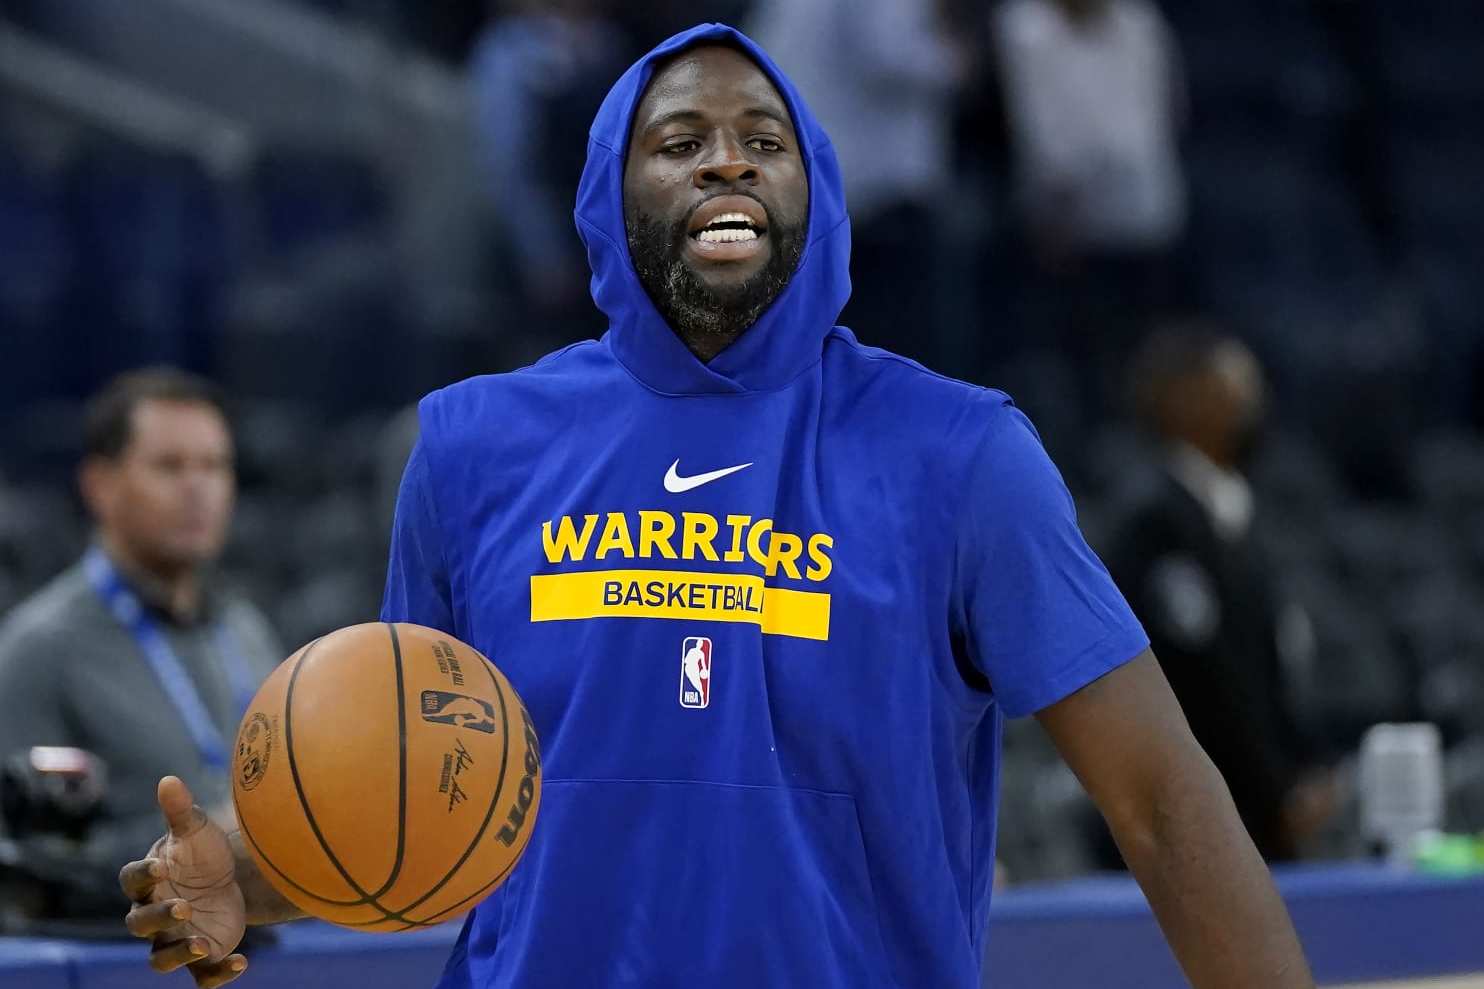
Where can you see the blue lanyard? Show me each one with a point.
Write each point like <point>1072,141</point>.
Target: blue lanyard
<point>126,607</point>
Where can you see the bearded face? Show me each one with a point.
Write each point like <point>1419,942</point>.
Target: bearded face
<point>716,195</point>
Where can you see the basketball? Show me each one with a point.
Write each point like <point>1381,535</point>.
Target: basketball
<point>386,777</point>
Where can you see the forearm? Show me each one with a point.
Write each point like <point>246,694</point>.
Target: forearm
<point>1210,890</point>
<point>265,905</point>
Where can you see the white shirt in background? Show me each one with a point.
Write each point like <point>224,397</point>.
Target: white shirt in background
<point>881,77</point>
<point>1092,111</point>
<point>1224,494</point>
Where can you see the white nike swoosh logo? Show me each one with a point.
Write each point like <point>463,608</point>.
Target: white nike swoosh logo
<point>675,484</point>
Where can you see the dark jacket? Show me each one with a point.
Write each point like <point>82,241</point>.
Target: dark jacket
<point>1209,605</point>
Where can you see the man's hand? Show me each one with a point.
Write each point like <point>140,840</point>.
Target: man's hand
<point>186,897</point>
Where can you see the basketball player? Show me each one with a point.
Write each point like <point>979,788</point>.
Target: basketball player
<point>879,563</point>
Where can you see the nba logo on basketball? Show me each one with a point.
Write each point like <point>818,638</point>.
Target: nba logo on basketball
<point>695,672</point>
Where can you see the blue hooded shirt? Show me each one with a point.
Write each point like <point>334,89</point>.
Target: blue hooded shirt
<point>769,702</point>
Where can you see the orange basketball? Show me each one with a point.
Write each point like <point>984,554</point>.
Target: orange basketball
<point>386,777</point>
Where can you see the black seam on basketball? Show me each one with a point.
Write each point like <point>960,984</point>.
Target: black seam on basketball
<point>288,743</point>
<point>286,878</point>
<point>432,919</point>
<point>247,832</point>
<point>494,799</point>
<point>369,899</point>
<point>407,924</point>
<point>391,880</point>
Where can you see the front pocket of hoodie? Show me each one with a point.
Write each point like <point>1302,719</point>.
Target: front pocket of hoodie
<point>680,885</point>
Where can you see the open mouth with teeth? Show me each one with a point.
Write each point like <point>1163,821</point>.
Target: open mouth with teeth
<point>729,228</point>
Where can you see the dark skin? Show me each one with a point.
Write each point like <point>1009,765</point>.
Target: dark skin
<point>195,893</point>
<point>713,126</point>
<point>712,130</point>
<point>1165,803</point>
<point>1174,821</point>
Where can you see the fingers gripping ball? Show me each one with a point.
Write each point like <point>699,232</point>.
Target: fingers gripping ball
<point>386,777</point>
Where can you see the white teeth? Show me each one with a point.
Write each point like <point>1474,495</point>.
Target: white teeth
<point>725,236</point>
<point>731,218</point>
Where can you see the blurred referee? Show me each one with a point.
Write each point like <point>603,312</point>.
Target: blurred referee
<point>1187,557</point>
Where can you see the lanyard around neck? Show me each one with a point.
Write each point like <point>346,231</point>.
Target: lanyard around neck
<point>125,606</point>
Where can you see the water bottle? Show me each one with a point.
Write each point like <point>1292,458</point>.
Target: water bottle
<point>1401,786</point>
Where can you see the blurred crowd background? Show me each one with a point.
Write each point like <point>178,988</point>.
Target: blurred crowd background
<point>1226,249</point>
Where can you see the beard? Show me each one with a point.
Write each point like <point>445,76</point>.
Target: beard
<point>707,319</point>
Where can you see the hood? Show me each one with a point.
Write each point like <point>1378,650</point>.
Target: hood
<point>789,336</point>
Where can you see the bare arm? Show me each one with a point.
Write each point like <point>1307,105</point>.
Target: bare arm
<point>1173,819</point>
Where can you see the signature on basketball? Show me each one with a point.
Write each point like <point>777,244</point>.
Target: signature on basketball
<point>445,708</point>
<point>454,763</point>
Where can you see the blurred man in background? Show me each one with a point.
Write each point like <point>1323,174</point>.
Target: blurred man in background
<point>135,654</point>
<point>1092,98</point>
<point>883,76</point>
<point>539,71</point>
<point>1187,559</point>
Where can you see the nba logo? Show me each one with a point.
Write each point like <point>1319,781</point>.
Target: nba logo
<point>695,672</point>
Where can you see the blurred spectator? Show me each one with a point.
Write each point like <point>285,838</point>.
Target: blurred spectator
<point>539,72</point>
<point>882,77</point>
<point>1092,99</point>
<point>1187,559</point>
<point>135,654</point>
